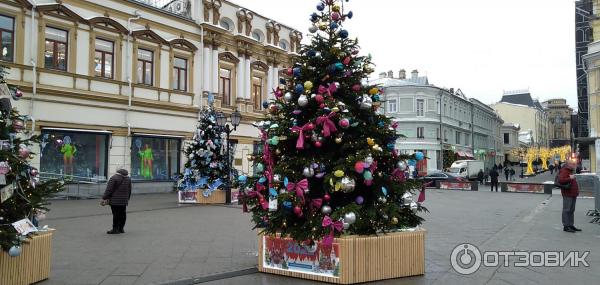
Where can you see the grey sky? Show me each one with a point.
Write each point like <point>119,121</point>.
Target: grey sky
<point>480,46</point>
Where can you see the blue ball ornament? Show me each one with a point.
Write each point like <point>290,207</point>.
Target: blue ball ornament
<point>299,88</point>
<point>359,200</point>
<point>332,69</point>
<point>350,15</point>
<point>260,167</point>
<point>368,175</point>
<point>242,178</point>
<point>339,66</point>
<point>287,205</point>
<point>311,53</point>
<point>14,251</point>
<point>412,162</point>
<point>419,156</point>
<point>333,25</point>
<point>321,7</point>
<point>343,34</point>
<point>314,17</point>
<point>375,98</point>
<point>281,80</point>
<point>265,104</point>
<point>297,71</point>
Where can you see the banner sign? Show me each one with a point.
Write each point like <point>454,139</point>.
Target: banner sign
<point>525,188</point>
<point>24,227</point>
<point>188,196</point>
<point>455,185</point>
<point>286,254</point>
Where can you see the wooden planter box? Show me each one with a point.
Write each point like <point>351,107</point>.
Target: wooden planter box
<point>349,260</point>
<point>196,197</point>
<point>33,265</point>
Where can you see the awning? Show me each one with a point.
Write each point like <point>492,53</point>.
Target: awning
<point>461,154</point>
<point>76,130</point>
<point>468,154</point>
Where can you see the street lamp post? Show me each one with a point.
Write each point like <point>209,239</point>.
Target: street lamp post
<point>236,117</point>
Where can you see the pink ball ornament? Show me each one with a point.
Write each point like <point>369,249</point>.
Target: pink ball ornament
<point>356,87</point>
<point>319,98</point>
<point>335,16</point>
<point>347,60</point>
<point>318,144</point>
<point>297,210</point>
<point>24,152</point>
<point>344,123</point>
<point>359,167</point>
<point>34,172</point>
<point>322,105</point>
<point>290,71</point>
<point>310,126</point>
<point>326,197</point>
<point>18,125</point>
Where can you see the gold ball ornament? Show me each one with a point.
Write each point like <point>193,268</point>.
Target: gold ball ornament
<point>322,26</point>
<point>394,221</point>
<point>338,140</point>
<point>336,8</point>
<point>339,173</point>
<point>370,141</point>
<point>308,86</point>
<point>335,109</point>
<point>373,91</point>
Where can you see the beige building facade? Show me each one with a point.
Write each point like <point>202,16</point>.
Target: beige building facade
<point>531,119</point>
<point>109,83</point>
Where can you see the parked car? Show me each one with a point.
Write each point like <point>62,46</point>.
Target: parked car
<point>467,169</point>
<point>441,176</point>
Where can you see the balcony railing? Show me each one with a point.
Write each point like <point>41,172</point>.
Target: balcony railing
<point>181,8</point>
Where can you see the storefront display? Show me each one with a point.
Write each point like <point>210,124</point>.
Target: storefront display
<point>74,154</point>
<point>154,158</point>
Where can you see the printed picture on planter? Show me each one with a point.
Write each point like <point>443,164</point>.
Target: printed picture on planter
<point>286,254</point>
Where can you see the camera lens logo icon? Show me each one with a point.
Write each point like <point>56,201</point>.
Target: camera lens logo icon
<point>465,259</point>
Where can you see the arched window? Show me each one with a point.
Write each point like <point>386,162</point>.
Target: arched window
<point>258,35</point>
<point>283,44</point>
<point>226,24</point>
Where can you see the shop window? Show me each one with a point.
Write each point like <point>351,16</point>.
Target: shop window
<point>55,53</point>
<point>75,155</point>
<point>103,58</point>
<point>7,36</point>
<point>225,85</point>
<point>155,158</point>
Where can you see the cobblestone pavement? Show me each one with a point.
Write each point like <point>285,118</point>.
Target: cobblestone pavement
<point>166,242</point>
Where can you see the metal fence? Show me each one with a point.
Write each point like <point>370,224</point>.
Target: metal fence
<point>77,187</point>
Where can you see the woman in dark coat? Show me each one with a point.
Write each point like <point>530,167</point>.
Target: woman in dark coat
<point>117,195</point>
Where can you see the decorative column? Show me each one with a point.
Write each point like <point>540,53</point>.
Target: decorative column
<point>247,79</point>
<point>215,70</point>
<point>241,74</point>
<point>275,76</point>
<point>206,69</point>
<point>270,83</point>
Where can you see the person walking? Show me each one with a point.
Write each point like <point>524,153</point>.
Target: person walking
<point>569,190</point>
<point>494,177</point>
<point>551,167</point>
<point>117,195</point>
<point>506,172</point>
<point>512,174</point>
<point>480,176</point>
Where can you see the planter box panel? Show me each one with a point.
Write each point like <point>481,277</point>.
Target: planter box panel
<point>33,265</point>
<point>196,197</point>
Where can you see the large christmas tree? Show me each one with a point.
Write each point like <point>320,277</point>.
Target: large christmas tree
<point>23,195</point>
<point>206,164</point>
<point>329,166</point>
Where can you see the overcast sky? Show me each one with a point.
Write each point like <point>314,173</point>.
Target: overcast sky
<point>480,46</point>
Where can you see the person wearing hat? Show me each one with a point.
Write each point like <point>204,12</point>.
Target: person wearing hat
<point>117,195</point>
<point>569,191</point>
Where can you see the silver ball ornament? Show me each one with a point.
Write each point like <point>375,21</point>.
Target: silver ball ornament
<point>348,184</point>
<point>276,178</point>
<point>288,97</point>
<point>302,100</point>
<point>369,160</point>
<point>313,29</point>
<point>366,103</point>
<point>414,207</point>
<point>382,200</point>
<point>308,172</point>
<point>402,165</point>
<point>350,218</point>
<point>346,226</point>
<point>326,210</point>
<point>407,198</point>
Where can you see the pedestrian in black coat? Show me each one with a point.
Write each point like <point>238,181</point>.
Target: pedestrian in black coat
<point>117,195</point>
<point>480,176</point>
<point>494,177</point>
<point>506,172</point>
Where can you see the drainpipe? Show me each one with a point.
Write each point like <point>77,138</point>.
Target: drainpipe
<point>441,131</point>
<point>129,79</point>
<point>33,60</point>
<point>202,83</point>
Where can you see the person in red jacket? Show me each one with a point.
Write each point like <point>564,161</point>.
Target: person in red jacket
<point>565,177</point>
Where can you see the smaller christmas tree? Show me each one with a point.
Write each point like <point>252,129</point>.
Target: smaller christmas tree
<point>206,163</point>
<point>23,195</point>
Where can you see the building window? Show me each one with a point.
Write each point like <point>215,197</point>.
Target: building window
<point>506,138</point>
<point>420,132</point>
<point>445,135</point>
<point>392,106</point>
<point>225,85</point>
<point>283,44</point>
<point>55,54</point>
<point>103,58</point>
<point>78,155</point>
<point>457,137</point>
<point>420,107</point>
<point>7,34</point>
<point>179,74</point>
<point>437,107</point>
<point>145,67</point>
<point>257,88</point>
<point>438,134</point>
<point>155,158</point>
<point>467,139</point>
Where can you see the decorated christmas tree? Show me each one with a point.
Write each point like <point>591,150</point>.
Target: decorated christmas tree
<point>329,164</point>
<point>23,197</point>
<point>206,164</point>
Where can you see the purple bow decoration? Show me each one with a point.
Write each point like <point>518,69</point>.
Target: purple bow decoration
<point>335,226</point>
<point>299,188</point>
<point>328,124</point>
<point>300,130</point>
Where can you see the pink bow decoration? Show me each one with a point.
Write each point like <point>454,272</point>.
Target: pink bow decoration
<point>261,200</point>
<point>316,203</point>
<point>322,89</point>
<point>299,188</point>
<point>267,157</point>
<point>373,167</point>
<point>328,124</point>
<point>335,226</point>
<point>332,88</point>
<point>300,130</point>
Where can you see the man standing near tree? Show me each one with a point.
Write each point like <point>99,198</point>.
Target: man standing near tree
<point>569,191</point>
<point>117,195</point>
